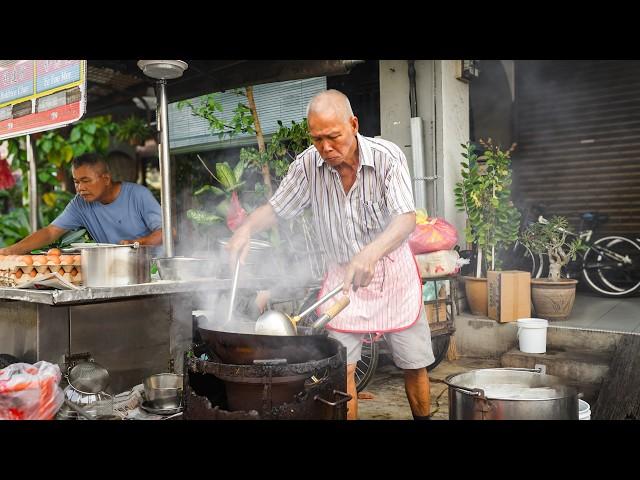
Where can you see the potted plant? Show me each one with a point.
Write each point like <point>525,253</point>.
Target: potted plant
<point>484,195</point>
<point>552,297</point>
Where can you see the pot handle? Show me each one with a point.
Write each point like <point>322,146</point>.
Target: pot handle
<point>477,392</point>
<point>537,368</point>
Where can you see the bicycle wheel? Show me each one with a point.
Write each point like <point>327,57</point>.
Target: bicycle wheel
<point>518,257</point>
<point>366,367</point>
<point>611,266</point>
<point>440,345</point>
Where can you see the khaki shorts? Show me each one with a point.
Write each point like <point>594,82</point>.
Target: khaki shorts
<point>411,348</point>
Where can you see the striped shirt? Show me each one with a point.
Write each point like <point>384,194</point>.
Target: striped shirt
<point>346,222</point>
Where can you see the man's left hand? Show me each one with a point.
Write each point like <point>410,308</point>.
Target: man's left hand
<point>360,270</point>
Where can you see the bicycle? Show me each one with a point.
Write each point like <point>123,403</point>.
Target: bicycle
<point>609,265</point>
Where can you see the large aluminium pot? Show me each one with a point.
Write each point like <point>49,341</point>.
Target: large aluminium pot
<point>510,394</point>
<point>115,265</point>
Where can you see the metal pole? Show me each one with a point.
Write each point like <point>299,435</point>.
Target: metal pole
<point>419,178</point>
<point>33,186</point>
<point>165,168</point>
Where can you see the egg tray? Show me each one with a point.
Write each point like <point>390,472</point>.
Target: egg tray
<point>16,270</point>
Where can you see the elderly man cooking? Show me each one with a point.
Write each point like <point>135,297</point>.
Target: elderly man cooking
<point>112,212</point>
<point>359,191</point>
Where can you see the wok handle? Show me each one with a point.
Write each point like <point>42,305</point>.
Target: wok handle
<point>345,398</point>
<point>329,295</point>
<point>334,310</point>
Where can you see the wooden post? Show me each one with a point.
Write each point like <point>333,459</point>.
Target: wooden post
<point>266,175</point>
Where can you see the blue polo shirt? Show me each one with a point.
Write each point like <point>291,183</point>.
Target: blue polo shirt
<point>133,214</point>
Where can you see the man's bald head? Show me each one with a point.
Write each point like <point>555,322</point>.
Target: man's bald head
<point>330,102</point>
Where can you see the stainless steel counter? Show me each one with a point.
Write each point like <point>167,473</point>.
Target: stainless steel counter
<point>102,294</point>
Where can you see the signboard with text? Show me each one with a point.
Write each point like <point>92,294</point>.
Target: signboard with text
<point>40,95</point>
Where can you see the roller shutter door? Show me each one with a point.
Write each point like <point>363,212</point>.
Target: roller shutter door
<point>578,133</point>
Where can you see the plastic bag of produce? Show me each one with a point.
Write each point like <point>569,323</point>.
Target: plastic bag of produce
<point>30,392</point>
<point>437,264</point>
<point>431,235</point>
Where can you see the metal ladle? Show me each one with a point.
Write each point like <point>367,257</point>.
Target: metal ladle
<point>273,322</point>
<point>234,287</point>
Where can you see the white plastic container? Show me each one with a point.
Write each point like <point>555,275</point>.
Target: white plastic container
<point>532,335</point>
<point>584,410</point>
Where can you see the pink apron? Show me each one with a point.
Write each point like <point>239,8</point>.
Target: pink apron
<point>391,302</point>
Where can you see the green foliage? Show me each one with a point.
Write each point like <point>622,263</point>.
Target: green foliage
<point>14,226</point>
<point>210,108</point>
<point>484,195</point>
<point>133,130</point>
<point>203,218</point>
<point>55,148</point>
<point>550,238</point>
<point>92,135</point>
<point>285,145</point>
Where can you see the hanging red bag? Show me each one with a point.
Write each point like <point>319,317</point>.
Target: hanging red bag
<point>431,235</point>
<point>236,214</point>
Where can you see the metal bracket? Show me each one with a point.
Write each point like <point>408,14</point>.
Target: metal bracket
<point>425,179</point>
<point>542,368</point>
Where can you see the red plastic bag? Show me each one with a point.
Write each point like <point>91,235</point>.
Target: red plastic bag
<point>30,392</point>
<point>431,235</point>
<point>236,214</point>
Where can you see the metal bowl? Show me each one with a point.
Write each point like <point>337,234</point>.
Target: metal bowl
<point>260,262</point>
<point>164,390</point>
<point>186,268</point>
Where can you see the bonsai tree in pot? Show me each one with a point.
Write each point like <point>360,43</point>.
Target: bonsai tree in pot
<point>553,297</point>
<point>484,195</point>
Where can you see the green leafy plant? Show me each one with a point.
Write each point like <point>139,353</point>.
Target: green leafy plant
<point>484,195</point>
<point>210,108</point>
<point>133,130</point>
<point>549,237</point>
<point>92,135</point>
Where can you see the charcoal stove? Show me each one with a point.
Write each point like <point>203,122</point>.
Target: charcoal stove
<point>268,389</point>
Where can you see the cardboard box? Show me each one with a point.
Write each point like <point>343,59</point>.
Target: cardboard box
<point>509,295</point>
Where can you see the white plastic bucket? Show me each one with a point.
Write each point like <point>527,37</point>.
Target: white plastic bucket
<point>584,410</point>
<point>532,335</point>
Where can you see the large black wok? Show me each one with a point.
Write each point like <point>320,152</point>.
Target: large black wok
<point>245,348</point>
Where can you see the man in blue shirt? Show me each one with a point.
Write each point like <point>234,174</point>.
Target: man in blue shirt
<point>112,212</point>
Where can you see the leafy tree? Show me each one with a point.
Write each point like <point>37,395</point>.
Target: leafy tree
<point>484,194</point>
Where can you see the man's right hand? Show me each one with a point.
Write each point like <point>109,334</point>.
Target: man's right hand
<point>36,240</point>
<point>261,219</point>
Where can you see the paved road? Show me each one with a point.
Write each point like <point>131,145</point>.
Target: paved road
<point>390,401</point>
